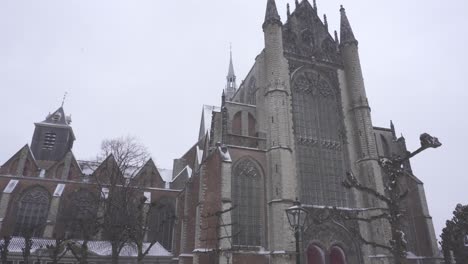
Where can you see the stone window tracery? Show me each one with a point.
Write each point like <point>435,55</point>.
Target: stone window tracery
<point>247,197</point>
<point>31,216</point>
<point>319,144</point>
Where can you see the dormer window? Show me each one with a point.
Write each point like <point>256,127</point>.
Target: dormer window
<point>56,117</point>
<point>49,140</point>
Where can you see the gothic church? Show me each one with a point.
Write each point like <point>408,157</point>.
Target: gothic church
<point>291,130</point>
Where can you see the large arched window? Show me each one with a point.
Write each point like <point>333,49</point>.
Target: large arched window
<point>31,216</point>
<point>80,214</point>
<point>337,256</point>
<point>318,130</point>
<point>315,255</point>
<point>247,198</point>
<point>162,222</point>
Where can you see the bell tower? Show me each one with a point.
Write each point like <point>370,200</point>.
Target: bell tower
<point>53,137</point>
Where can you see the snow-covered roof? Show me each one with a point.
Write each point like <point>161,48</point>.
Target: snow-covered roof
<point>166,174</point>
<point>208,113</point>
<point>100,248</point>
<point>88,167</point>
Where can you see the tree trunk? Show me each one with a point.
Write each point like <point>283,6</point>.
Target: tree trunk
<point>115,255</point>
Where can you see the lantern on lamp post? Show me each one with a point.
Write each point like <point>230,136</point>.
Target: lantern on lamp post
<point>297,217</point>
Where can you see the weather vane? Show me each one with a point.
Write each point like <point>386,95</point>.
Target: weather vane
<point>64,97</point>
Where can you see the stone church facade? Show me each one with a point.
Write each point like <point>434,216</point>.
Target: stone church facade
<point>292,129</point>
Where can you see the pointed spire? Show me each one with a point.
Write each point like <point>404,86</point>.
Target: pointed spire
<point>288,10</point>
<point>272,16</point>
<point>297,3</point>
<point>315,6</point>
<point>231,66</point>
<point>230,78</point>
<point>347,35</point>
<point>336,37</point>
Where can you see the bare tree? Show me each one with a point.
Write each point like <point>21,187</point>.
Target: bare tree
<point>28,243</point>
<point>455,236</point>
<point>123,158</point>
<point>392,198</point>
<point>4,249</point>
<point>57,250</point>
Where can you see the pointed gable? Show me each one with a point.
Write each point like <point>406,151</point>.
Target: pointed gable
<point>66,169</point>
<point>109,172</point>
<point>22,163</point>
<point>149,176</point>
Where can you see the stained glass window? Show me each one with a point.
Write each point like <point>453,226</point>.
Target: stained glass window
<point>247,196</point>
<point>32,212</point>
<point>318,129</point>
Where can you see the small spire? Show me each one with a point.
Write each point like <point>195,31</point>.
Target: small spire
<point>325,21</point>
<point>347,35</point>
<point>271,15</point>
<point>336,37</point>
<point>392,127</point>
<point>231,65</point>
<point>231,85</point>
<point>315,6</point>
<point>297,3</point>
<point>288,10</point>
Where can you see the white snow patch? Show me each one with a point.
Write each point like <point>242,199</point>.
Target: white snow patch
<point>11,186</point>
<point>59,190</point>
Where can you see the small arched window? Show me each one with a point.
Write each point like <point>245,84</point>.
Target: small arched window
<point>248,202</point>
<point>315,255</point>
<point>337,256</point>
<point>31,216</point>
<point>162,218</point>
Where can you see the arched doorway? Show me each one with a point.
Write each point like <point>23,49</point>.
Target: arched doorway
<point>315,255</point>
<point>337,256</point>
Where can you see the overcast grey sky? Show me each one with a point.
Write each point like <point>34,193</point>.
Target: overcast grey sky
<point>145,67</point>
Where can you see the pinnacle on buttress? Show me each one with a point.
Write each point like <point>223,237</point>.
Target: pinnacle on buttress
<point>288,12</point>
<point>272,16</point>
<point>325,21</point>
<point>347,35</point>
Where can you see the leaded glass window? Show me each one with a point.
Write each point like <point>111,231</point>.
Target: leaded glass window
<point>247,198</point>
<point>31,216</point>
<point>318,129</point>
<point>162,223</point>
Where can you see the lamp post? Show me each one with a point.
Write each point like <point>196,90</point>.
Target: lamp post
<point>296,217</point>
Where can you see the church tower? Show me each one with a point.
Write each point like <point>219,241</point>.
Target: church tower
<point>231,86</point>
<point>53,137</point>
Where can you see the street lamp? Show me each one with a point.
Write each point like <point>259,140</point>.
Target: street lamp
<point>297,217</point>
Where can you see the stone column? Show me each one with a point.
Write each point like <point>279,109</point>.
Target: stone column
<point>53,211</point>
